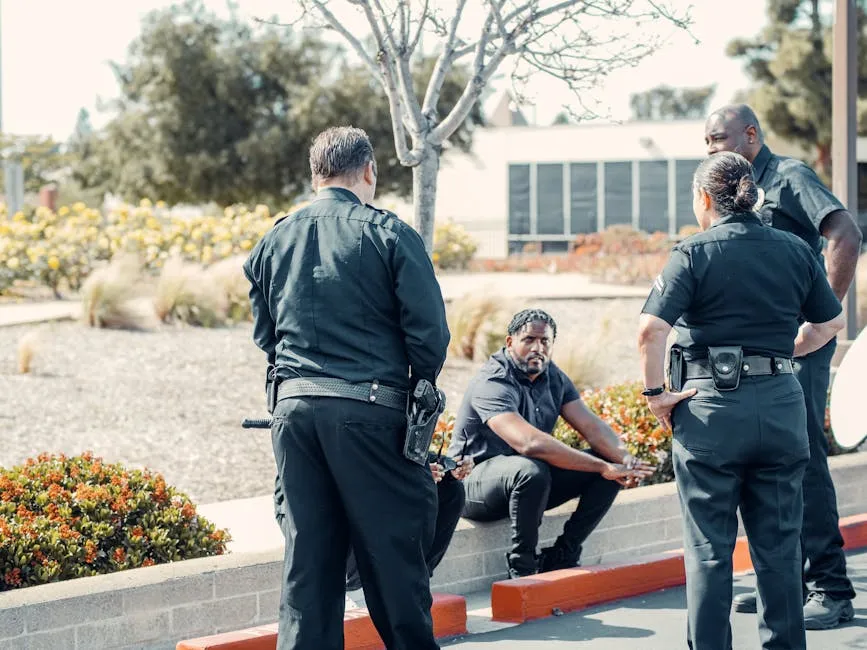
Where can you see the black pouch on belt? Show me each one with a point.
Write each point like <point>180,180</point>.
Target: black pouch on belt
<point>675,368</point>
<point>725,363</point>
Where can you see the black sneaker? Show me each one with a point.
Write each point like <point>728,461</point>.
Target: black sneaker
<point>746,603</point>
<point>822,612</point>
<point>556,557</point>
<point>519,569</point>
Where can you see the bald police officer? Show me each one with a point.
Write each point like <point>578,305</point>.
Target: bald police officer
<point>795,200</point>
<point>734,293</point>
<point>348,309</point>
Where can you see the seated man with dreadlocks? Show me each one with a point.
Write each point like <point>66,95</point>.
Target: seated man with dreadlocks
<point>505,423</point>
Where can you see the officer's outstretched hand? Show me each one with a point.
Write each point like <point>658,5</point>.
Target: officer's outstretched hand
<point>663,404</point>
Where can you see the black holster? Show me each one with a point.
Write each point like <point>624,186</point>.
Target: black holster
<point>423,409</point>
<point>725,363</point>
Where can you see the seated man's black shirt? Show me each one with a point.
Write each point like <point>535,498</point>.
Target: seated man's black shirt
<point>501,387</point>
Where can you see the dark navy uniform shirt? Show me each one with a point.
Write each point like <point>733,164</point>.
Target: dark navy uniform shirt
<point>741,283</point>
<point>501,387</point>
<point>795,199</point>
<point>341,289</point>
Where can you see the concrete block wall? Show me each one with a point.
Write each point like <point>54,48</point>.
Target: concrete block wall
<point>155,607</point>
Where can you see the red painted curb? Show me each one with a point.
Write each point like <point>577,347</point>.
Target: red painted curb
<point>449,614</point>
<point>524,599</point>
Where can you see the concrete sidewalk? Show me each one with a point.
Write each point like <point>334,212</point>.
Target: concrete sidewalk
<point>24,313</point>
<point>657,621</point>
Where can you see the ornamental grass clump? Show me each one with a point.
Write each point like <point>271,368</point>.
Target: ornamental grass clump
<point>70,517</point>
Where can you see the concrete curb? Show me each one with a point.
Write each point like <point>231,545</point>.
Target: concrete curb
<point>449,618</point>
<point>525,599</point>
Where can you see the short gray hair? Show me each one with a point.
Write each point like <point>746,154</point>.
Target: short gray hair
<point>340,151</point>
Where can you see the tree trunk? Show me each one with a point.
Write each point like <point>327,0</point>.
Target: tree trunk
<point>424,194</point>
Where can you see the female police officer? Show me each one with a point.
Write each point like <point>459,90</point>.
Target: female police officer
<point>736,291</point>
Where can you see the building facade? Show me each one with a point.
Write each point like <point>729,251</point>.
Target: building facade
<point>549,184</point>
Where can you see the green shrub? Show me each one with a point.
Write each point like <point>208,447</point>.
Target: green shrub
<point>453,248</point>
<point>63,518</point>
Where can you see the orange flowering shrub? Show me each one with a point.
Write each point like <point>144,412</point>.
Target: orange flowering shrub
<point>63,518</point>
<point>625,410</point>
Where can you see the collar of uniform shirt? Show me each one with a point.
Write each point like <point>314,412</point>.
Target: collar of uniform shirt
<point>338,193</point>
<point>761,161</point>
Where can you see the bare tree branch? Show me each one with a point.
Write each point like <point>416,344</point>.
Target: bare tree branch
<point>421,23</point>
<point>395,65</point>
<point>442,66</point>
<point>337,26</point>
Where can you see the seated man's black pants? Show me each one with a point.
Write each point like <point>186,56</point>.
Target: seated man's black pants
<point>450,503</point>
<point>523,489</point>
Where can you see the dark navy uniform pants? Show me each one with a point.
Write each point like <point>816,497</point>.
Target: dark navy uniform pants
<point>450,503</point>
<point>825,561</point>
<point>745,448</point>
<point>344,480</point>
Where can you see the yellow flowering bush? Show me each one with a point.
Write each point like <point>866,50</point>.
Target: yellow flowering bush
<point>60,249</point>
<point>453,247</point>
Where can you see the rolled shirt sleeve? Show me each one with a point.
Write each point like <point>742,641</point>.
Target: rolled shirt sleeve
<point>422,309</point>
<point>673,290</point>
<point>811,198</point>
<point>821,305</point>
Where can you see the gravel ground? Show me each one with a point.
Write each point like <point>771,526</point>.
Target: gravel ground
<point>172,399</point>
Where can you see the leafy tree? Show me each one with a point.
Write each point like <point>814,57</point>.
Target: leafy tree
<point>574,41</point>
<point>790,64</point>
<point>667,103</point>
<point>217,110</point>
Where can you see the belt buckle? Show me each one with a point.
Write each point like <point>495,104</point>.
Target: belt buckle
<point>776,366</point>
<point>371,395</point>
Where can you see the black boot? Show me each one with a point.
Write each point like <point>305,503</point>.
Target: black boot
<point>557,557</point>
<point>520,567</point>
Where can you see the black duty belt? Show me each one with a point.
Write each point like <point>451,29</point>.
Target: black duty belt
<point>370,392</point>
<point>751,366</point>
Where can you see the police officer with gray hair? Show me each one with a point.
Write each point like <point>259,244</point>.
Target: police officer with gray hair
<point>350,314</point>
<point>734,294</point>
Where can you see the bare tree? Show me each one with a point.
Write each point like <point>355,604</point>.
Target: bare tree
<point>577,41</point>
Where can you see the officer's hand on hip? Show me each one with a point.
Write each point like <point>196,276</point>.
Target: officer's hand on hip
<point>663,404</point>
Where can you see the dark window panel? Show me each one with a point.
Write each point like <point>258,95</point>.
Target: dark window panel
<point>549,199</point>
<point>683,172</point>
<point>519,199</point>
<point>653,195</point>
<point>618,193</point>
<point>584,194</point>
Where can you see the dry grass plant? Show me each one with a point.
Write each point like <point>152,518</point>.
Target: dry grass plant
<point>186,293</point>
<point>227,278</point>
<point>582,355</point>
<point>111,296</point>
<point>28,346</point>
<point>478,324</point>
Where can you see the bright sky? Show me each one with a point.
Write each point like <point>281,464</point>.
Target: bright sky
<point>55,58</point>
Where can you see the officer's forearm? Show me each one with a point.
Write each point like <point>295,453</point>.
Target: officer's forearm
<point>812,336</point>
<point>844,247</point>
<point>652,334</point>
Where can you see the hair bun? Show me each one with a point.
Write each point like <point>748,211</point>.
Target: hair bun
<point>747,194</point>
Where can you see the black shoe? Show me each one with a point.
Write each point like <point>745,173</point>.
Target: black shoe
<point>823,612</point>
<point>745,603</point>
<point>557,557</point>
<point>520,569</point>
